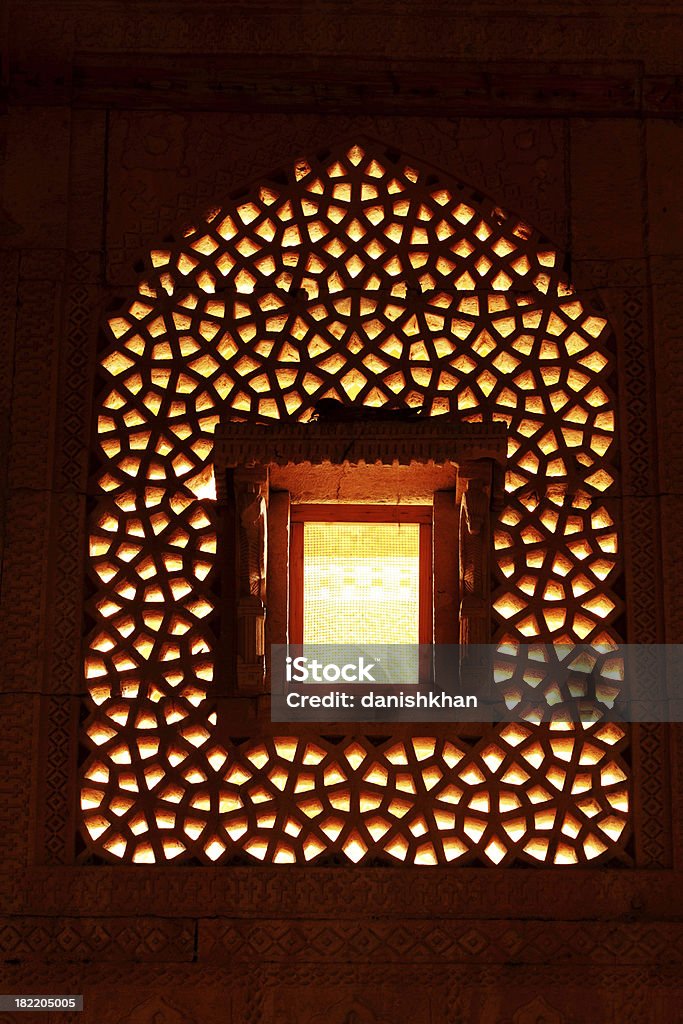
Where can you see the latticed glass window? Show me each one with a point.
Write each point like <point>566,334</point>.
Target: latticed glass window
<point>360,574</point>
<point>368,279</point>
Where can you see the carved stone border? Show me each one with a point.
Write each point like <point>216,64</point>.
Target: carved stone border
<point>80,323</point>
<point>121,992</point>
<point>623,285</point>
<point>437,439</point>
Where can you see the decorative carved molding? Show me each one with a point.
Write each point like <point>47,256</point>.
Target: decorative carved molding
<point>158,1009</point>
<point>418,941</point>
<point>80,325</point>
<point>329,940</point>
<point>538,1011</point>
<point>268,891</point>
<point>115,939</point>
<point>27,548</point>
<point>250,496</point>
<point>475,555</point>
<point>436,439</point>
<point>264,992</point>
<point>348,1011</point>
<point>302,83</point>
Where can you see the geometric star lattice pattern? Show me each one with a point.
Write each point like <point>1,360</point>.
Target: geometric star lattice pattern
<point>366,277</point>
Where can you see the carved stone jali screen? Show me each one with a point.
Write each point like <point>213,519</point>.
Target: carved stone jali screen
<point>367,278</point>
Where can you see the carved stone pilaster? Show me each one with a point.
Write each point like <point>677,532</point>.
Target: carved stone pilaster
<point>476,482</point>
<point>251,502</point>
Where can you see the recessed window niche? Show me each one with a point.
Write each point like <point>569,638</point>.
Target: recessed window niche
<point>438,475</point>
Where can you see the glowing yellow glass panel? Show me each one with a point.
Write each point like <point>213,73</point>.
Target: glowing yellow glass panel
<point>361,583</point>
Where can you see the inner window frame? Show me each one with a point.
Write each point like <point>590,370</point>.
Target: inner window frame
<point>321,512</point>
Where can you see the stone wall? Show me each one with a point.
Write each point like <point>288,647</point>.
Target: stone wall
<point>121,122</point>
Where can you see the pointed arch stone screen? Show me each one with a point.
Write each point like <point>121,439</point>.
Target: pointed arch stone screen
<point>363,276</point>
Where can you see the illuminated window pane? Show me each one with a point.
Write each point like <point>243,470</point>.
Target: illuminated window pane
<point>361,583</point>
